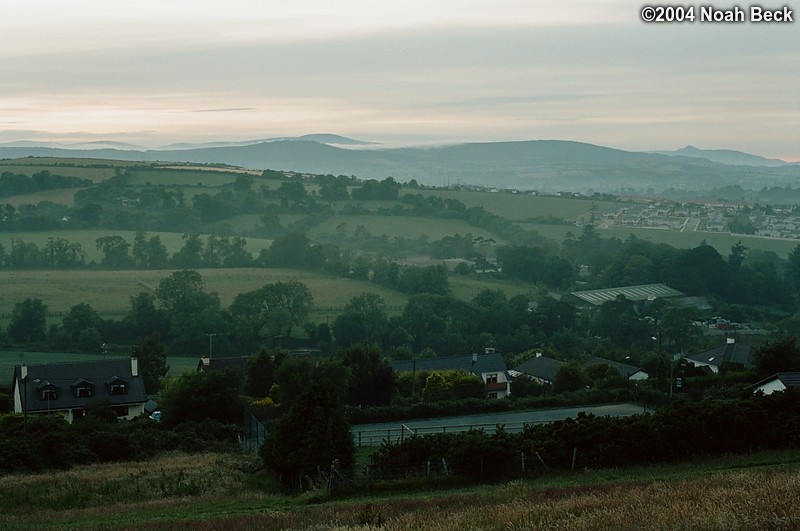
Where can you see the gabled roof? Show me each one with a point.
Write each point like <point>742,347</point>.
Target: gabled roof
<point>484,363</point>
<point>788,379</point>
<point>730,353</point>
<point>64,376</point>
<point>625,370</point>
<point>540,367</point>
<point>632,293</point>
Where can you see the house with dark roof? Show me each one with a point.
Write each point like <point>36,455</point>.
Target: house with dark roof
<point>540,369</point>
<point>490,367</point>
<point>67,388</point>
<point>777,382</point>
<point>729,354</point>
<point>629,372</point>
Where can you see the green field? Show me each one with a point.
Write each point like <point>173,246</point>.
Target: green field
<point>109,292</point>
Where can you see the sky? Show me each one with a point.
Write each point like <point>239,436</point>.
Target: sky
<point>411,72</point>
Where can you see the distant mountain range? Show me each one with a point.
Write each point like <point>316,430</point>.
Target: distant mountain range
<point>725,156</point>
<point>546,165</point>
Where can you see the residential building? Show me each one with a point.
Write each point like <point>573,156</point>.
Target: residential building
<point>67,389</point>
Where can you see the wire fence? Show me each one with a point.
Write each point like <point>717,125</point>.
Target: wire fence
<point>394,435</point>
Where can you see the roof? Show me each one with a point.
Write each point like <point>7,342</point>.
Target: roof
<point>484,363</point>
<point>65,376</point>
<point>788,379</point>
<point>222,364</point>
<point>633,293</point>
<point>730,352</point>
<point>540,367</point>
<point>625,370</point>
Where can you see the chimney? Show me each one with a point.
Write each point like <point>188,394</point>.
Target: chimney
<point>23,371</point>
<point>205,360</point>
<point>538,354</point>
<point>731,340</point>
<point>134,366</point>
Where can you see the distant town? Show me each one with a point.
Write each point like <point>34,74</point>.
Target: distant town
<point>765,221</point>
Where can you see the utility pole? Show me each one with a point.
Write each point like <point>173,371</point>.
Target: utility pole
<point>210,343</point>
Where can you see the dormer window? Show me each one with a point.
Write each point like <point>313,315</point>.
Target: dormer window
<point>83,388</point>
<point>47,391</point>
<point>117,387</point>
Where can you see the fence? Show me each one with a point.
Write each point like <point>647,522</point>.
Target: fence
<point>378,436</point>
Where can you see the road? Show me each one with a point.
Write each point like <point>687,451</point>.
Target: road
<point>372,434</point>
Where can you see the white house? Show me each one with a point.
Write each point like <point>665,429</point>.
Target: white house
<point>777,382</point>
<point>67,388</point>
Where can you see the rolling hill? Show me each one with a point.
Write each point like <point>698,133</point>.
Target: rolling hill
<point>546,165</point>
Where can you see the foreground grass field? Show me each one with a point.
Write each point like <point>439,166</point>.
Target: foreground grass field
<point>222,492</point>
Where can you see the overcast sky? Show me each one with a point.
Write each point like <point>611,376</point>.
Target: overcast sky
<point>154,72</point>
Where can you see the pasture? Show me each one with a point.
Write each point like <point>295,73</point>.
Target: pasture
<point>109,292</point>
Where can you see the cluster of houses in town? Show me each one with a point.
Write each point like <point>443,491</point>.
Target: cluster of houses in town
<point>772,222</point>
<point>68,389</point>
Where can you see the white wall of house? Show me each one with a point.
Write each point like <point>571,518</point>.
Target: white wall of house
<point>771,387</point>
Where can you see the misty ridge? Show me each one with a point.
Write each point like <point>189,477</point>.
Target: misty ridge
<point>543,165</point>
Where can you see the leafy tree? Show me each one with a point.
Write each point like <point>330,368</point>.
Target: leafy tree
<point>149,254</point>
<point>115,251</point>
<point>782,355</point>
<point>197,396</point>
<point>274,309</point>
<point>28,321</point>
<point>152,361</point>
<point>291,250</point>
<point>363,320</point>
<point>261,372</point>
<point>291,191</point>
<point>309,438</point>
<point>90,340</point>
<point>371,379</point>
<point>570,377</point>
<point>190,255</point>
<point>143,318</point>
<point>182,292</point>
<point>79,318</point>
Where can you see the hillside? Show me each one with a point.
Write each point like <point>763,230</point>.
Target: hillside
<point>546,165</point>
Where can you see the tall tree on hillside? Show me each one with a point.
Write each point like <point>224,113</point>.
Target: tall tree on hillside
<point>28,321</point>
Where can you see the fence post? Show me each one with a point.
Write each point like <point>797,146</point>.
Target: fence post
<point>522,459</point>
<point>359,439</point>
<point>574,455</point>
<point>542,460</point>
<point>428,469</point>
<point>444,467</point>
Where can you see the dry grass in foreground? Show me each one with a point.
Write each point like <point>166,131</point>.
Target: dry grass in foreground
<point>213,492</point>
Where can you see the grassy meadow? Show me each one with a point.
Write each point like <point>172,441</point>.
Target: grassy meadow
<point>219,491</point>
<point>109,292</point>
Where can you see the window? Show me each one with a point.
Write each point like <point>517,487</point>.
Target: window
<point>117,389</point>
<point>491,395</point>
<point>121,411</point>
<point>84,391</point>
<point>491,378</point>
<point>48,393</point>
